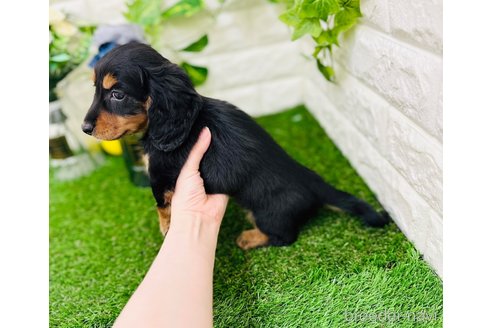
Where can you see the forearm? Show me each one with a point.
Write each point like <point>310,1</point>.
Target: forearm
<point>177,290</point>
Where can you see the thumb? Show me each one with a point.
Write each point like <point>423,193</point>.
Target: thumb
<point>219,199</point>
<point>192,164</point>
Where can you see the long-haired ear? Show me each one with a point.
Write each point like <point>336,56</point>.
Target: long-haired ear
<point>175,106</point>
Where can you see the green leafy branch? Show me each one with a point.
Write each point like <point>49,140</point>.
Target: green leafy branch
<point>68,47</point>
<point>324,21</point>
<point>151,15</point>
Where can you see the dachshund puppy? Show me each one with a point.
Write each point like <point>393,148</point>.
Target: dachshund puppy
<point>139,90</point>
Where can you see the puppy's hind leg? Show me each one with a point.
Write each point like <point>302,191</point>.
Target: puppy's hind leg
<point>251,238</point>
<point>273,230</point>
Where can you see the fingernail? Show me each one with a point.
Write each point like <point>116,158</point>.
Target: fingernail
<point>204,130</point>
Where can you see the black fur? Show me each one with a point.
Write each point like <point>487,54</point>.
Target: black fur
<point>242,161</point>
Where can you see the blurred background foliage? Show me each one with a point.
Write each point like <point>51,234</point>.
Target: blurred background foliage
<point>323,20</point>
<point>152,14</point>
<point>69,46</point>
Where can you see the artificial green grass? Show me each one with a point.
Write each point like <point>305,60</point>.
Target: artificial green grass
<point>104,235</point>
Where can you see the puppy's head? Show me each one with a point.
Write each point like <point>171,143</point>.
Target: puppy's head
<point>121,100</point>
<point>137,89</point>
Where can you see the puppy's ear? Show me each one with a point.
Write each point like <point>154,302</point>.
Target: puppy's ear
<point>175,106</point>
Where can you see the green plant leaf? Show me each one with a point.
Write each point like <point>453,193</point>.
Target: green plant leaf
<point>60,58</point>
<point>288,3</point>
<point>317,8</point>
<point>197,45</point>
<point>327,71</point>
<point>153,32</point>
<point>351,5</point>
<point>327,38</point>
<point>317,49</point>
<point>53,66</point>
<point>197,74</point>
<point>184,8</point>
<point>144,12</point>
<point>305,16</point>
<point>301,26</point>
<point>290,17</point>
<point>307,26</point>
<point>346,18</point>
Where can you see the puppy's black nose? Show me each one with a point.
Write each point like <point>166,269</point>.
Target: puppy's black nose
<point>87,128</point>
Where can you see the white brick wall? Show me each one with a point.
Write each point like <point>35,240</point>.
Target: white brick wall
<point>252,62</point>
<point>385,112</point>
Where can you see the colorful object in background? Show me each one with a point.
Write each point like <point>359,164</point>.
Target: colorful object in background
<point>133,155</point>
<point>107,37</point>
<point>112,147</point>
<point>59,148</point>
<point>103,50</point>
<point>68,159</point>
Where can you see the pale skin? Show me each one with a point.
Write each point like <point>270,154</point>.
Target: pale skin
<point>177,289</point>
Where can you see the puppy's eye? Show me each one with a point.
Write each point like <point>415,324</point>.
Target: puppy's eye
<point>118,95</point>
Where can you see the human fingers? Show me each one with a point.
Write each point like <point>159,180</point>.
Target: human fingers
<point>192,164</point>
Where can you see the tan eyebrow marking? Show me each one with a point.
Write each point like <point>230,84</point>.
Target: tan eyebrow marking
<point>108,81</point>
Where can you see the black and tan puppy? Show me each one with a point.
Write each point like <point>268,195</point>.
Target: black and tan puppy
<point>139,90</point>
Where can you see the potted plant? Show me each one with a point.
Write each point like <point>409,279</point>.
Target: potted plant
<point>68,47</point>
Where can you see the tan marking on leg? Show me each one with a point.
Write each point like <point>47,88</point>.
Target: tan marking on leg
<point>164,218</point>
<point>108,81</point>
<point>251,218</point>
<point>251,239</point>
<point>168,195</point>
<point>165,212</point>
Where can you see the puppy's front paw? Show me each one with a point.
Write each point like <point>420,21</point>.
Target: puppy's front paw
<point>251,239</point>
<point>164,219</point>
<point>164,227</point>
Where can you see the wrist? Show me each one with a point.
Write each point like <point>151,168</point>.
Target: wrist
<point>191,237</point>
<point>193,226</point>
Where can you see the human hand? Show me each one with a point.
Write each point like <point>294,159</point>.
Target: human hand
<point>165,298</point>
<point>190,200</point>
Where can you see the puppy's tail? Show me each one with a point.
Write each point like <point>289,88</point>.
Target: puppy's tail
<point>334,198</point>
